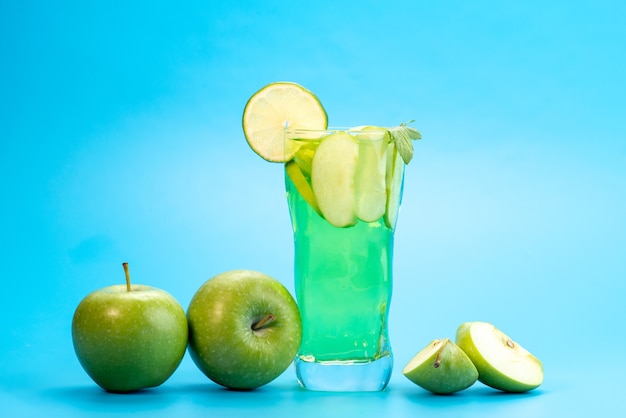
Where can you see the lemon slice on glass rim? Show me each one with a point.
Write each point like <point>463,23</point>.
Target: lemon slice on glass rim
<point>274,108</point>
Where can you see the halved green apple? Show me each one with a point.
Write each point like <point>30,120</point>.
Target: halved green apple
<point>441,367</point>
<point>332,178</point>
<point>501,362</point>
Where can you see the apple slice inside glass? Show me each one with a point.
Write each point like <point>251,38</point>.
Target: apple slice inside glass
<point>301,183</point>
<point>332,178</point>
<point>393,180</point>
<point>369,180</point>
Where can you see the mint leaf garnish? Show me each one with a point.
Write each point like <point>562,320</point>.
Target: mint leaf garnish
<point>403,135</point>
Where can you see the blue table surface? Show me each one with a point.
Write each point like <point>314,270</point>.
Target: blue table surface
<point>577,384</point>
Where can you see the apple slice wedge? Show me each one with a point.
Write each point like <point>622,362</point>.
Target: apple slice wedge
<point>369,180</point>
<point>442,368</point>
<point>304,157</point>
<point>332,178</point>
<point>393,179</point>
<point>300,182</point>
<point>501,362</point>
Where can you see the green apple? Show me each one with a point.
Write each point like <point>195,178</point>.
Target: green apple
<point>129,337</point>
<point>501,362</point>
<point>244,329</point>
<point>442,368</point>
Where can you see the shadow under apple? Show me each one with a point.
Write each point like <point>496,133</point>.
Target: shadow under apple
<point>92,397</point>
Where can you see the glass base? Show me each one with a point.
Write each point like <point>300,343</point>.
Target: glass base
<point>344,376</point>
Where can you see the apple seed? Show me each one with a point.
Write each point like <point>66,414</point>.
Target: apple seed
<point>438,358</point>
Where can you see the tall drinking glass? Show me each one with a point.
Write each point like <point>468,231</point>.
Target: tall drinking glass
<point>344,189</point>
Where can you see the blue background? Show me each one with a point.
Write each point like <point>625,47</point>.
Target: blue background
<point>121,140</point>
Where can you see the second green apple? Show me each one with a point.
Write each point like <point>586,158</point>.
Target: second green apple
<point>244,329</point>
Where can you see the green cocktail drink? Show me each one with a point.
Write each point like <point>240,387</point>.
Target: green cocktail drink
<point>343,254</point>
<point>344,188</point>
<point>343,285</point>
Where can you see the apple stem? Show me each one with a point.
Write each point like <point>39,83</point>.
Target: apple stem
<point>127,273</point>
<point>268,318</point>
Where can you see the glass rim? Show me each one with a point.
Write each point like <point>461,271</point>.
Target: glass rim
<point>361,135</point>
<point>333,129</point>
